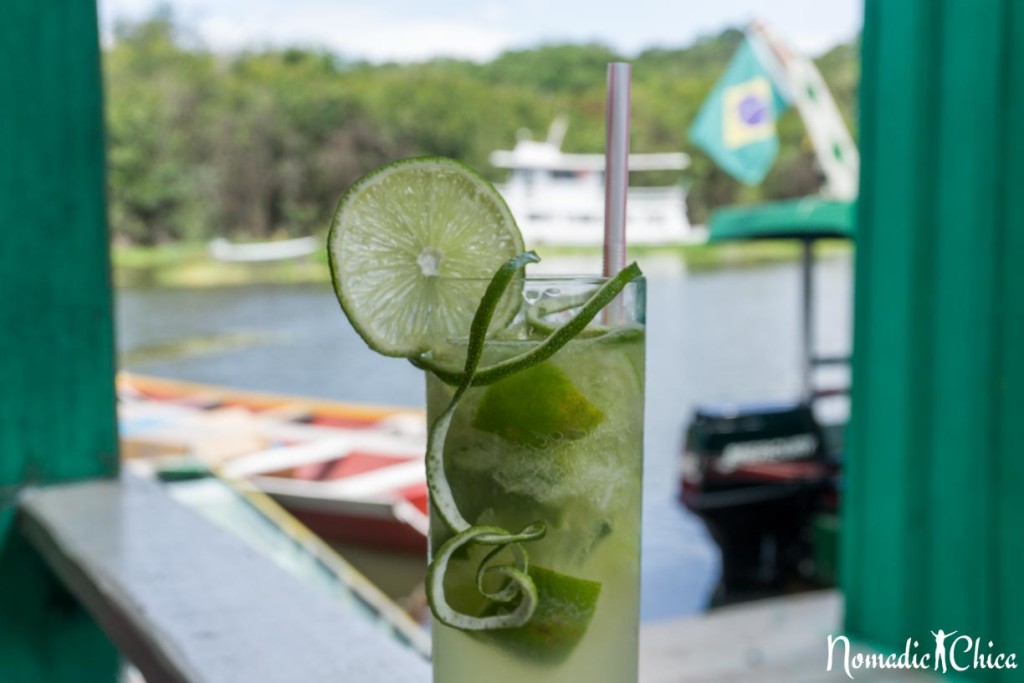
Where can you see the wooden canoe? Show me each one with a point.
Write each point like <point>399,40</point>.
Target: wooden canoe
<point>350,472</point>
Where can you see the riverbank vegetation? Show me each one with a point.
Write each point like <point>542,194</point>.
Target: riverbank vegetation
<point>260,144</point>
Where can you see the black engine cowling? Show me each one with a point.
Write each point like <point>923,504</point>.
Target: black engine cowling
<point>757,475</point>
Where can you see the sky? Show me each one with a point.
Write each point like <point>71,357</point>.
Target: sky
<point>415,30</point>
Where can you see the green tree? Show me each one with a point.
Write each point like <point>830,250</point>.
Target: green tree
<point>158,118</point>
<point>553,69</point>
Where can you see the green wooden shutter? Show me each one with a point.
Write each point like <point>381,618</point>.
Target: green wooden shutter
<point>934,502</point>
<point>57,419</point>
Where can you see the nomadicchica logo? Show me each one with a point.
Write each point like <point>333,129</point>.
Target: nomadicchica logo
<point>962,653</point>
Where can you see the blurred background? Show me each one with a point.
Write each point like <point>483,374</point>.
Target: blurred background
<point>207,146</point>
<point>245,123</point>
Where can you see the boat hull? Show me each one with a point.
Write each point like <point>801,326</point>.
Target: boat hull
<point>351,473</point>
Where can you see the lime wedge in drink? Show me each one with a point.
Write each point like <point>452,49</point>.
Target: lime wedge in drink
<point>536,406</point>
<point>565,606</point>
<point>400,237</point>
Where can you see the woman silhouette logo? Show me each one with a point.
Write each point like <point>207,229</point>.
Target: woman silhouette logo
<point>940,648</point>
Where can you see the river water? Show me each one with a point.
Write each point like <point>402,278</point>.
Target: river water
<point>727,335</point>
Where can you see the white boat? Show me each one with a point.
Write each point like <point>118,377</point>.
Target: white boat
<point>558,198</point>
<point>257,252</point>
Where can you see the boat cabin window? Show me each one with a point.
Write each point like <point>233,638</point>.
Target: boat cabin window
<point>529,177</point>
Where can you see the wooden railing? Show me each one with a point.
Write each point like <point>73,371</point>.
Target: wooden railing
<point>187,602</point>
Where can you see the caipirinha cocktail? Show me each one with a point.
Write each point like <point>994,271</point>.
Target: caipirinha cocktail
<point>535,409</point>
<point>560,442</point>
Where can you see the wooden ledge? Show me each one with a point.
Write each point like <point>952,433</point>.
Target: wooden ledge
<point>187,602</point>
<point>777,640</point>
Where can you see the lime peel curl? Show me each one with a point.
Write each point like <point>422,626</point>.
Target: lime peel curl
<point>440,490</point>
<point>521,583</point>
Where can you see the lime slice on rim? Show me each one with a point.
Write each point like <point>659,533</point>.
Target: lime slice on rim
<point>412,248</point>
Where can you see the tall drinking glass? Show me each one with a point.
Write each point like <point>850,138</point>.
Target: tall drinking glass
<point>560,442</point>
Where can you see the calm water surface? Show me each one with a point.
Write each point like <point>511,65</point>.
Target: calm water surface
<point>728,335</point>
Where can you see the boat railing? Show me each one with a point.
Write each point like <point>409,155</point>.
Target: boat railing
<point>656,192</point>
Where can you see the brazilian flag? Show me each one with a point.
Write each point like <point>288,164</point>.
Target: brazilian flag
<point>736,125</point>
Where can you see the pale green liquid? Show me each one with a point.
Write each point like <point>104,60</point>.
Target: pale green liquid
<point>586,489</point>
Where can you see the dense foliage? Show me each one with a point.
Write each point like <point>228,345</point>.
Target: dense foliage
<point>262,143</point>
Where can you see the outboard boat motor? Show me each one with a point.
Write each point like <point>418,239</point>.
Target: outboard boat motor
<point>757,475</point>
